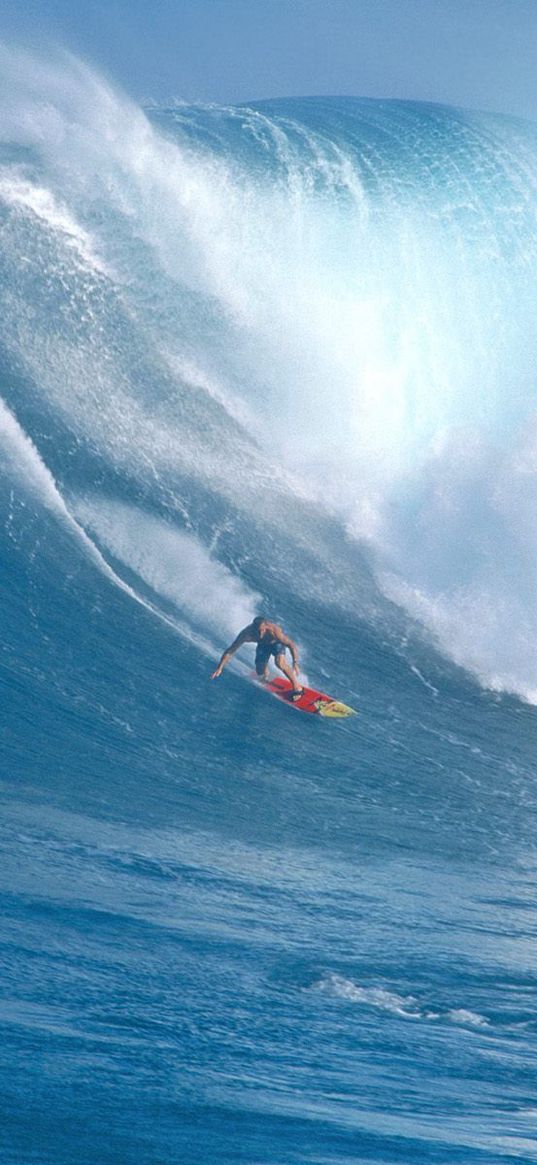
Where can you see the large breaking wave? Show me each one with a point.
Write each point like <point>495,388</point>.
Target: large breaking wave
<point>229,334</point>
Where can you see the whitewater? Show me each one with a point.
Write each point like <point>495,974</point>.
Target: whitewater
<point>280,358</point>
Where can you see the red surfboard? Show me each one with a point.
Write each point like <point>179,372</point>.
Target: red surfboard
<point>310,701</point>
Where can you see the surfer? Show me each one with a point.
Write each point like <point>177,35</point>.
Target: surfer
<point>271,640</point>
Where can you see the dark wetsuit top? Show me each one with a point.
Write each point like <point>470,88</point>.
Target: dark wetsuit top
<point>266,647</point>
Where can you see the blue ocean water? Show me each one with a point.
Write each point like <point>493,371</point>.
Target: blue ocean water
<point>272,358</point>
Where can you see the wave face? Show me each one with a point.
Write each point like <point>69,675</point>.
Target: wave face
<point>342,290</point>
<point>278,357</point>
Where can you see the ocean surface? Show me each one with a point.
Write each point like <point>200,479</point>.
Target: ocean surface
<point>274,358</point>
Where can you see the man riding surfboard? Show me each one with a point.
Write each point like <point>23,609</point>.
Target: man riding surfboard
<point>271,641</point>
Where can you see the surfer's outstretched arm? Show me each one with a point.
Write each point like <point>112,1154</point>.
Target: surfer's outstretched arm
<point>243,637</point>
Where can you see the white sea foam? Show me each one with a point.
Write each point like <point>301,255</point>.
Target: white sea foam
<point>404,1005</point>
<point>486,632</point>
<point>23,464</point>
<point>173,563</point>
<point>18,192</point>
<point>468,1018</point>
<point>379,997</point>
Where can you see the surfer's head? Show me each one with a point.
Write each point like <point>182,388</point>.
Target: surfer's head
<point>259,622</point>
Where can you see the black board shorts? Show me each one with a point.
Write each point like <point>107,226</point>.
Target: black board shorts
<point>265,650</point>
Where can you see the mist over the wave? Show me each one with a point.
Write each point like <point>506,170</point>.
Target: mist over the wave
<point>324,301</point>
<point>174,564</point>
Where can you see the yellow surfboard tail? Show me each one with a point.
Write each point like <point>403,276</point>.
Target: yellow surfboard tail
<point>335,708</point>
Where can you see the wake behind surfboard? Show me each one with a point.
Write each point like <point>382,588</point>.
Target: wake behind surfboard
<point>310,701</point>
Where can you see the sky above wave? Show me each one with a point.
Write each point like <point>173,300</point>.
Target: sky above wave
<point>481,55</point>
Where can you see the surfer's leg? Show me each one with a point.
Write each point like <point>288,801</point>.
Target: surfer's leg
<point>261,664</point>
<point>283,665</point>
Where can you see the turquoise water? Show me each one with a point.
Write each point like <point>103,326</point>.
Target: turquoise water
<point>269,359</point>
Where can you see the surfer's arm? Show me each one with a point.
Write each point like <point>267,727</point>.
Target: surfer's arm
<point>243,637</point>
